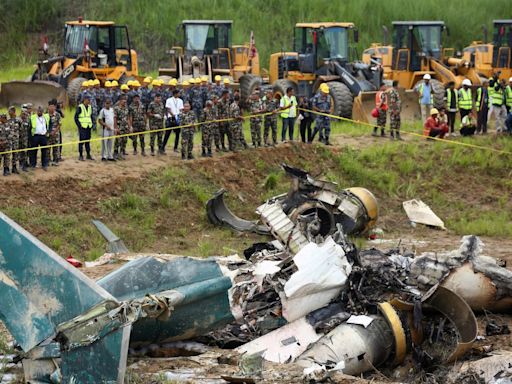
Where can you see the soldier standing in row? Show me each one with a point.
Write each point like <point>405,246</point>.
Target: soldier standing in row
<point>156,111</point>
<point>216,126</point>
<point>26,111</point>
<point>395,107</point>
<point>5,143</point>
<point>235,113</point>
<point>54,133</point>
<point>16,128</point>
<point>137,123</point>
<point>188,122</point>
<point>224,126</point>
<point>121,128</point>
<point>207,129</point>
<point>256,108</point>
<point>270,124</point>
<point>322,103</point>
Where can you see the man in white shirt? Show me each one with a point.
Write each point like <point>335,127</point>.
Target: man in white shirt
<point>106,120</point>
<point>174,106</point>
<point>40,126</point>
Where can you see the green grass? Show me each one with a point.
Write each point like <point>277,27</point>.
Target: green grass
<point>153,24</point>
<point>16,73</point>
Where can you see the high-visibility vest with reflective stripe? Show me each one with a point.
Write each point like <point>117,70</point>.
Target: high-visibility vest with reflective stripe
<point>479,98</point>
<point>465,99</point>
<point>508,96</point>
<point>449,99</point>
<point>33,122</point>
<point>287,101</point>
<point>420,91</point>
<point>85,116</point>
<point>497,97</point>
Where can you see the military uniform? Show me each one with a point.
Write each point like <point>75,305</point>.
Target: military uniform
<point>322,103</point>
<point>137,114</point>
<point>270,123</point>
<point>5,145</point>
<point>197,101</point>
<point>187,134</point>
<point>255,107</point>
<point>236,126</point>
<point>145,96</point>
<point>208,129</point>
<point>121,115</point>
<point>395,107</point>
<point>53,137</point>
<point>156,124</point>
<point>224,127</point>
<point>23,142</point>
<point>16,127</point>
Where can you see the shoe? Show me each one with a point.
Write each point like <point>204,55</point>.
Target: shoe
<point>143,153</point>
<point>176,150</point>
<point>224,149</point>
<point>124,153</point>
<point>81,158</point>
<point>382,133</point>
<point>209,154</point>
<point>203,154</point>
<point>55,164</point>
<point>24,168</point>
<point>134,152</point>
<point>89,157</point>
<point>398,137</point>
<point>183,157</point>
<point>103,159</point>
<point>374,133</point>
<point>15,171</point>
<point>6,172</point>
<point>327,142</point>
<point>112,159</point>
<point>191,157</point>
<point>45,168</point>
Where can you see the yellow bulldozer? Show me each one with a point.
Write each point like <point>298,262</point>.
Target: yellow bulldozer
<point>92,50</point>
<point>490,57</point>
<point>324,52</point>
<point>417,50</point>
<point>206,50</point>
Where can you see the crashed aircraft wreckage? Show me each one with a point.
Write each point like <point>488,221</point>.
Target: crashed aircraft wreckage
<point>304,298</point>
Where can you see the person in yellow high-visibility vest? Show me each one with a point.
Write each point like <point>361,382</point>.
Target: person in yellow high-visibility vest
<point>497,108</point>
<point>288,105</point>
<point>83,120</point>
<point>465,98</point>
<point>508,96</point>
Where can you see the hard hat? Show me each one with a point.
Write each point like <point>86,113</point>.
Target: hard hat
<point>324,88</point>
<point>198,80</point>
<point>136,83</point>
<point>155,83</point>
<point>147,80</point>
<point>204,79</point>
<point>125,87</point>
<point>173,82</point>
<point>218,78</point>
<point>185,83</point>
<point>108,84</point>
<point>226,81</point>
<point>466,82</point>
<point>86,83</point>
<point>129,83</point>
<point>114,83</point>
<point>510,80</point>
<point>96,82</point>
<point>427,76</point>
<point>434,111</point>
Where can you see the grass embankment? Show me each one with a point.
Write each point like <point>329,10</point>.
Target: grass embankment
<point>152,24</point>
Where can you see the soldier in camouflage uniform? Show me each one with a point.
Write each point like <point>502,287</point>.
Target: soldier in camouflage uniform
<point>216,126</point>
<point>197,100</point>
<point>322,103</point>
<point>5,143</point>
<point>224,127</point>
<point>24,135</point>
<point>395,107</point>
<point>16,128</point>
<point>256,107</point>
<point>53,135</point>
<point>156,112</point>
<point>121,127</point>
<point>137,120</point>
<point>270,105</point>
<point>236,124</point>
<point>207,129</point>
<point>187,118</point>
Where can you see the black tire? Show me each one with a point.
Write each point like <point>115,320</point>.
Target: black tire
<point>438,93</point>
<point>342,98</point>
<point>247,85</point>
<point>124,79</point>
<point>74,89</point>
<point>281,85</point>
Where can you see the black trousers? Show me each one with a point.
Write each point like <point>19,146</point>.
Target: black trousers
<point>305,129</point>
<point>468,131</point>
<point>481,124</point>
<point>170,123</point>
<point>84,134</point>
<point>451,120</point>
<point>35,142</point>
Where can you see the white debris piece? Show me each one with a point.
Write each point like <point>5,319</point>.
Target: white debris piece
<point>264,268</point>
<point>322,274</point>
<point>419,212</point>
<point>363,320</point>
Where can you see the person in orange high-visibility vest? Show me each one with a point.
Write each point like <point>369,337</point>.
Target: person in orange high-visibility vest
<point>381,104</point>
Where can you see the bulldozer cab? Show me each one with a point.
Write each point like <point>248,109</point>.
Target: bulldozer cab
<point>205,37</point>
<point>318,43</point>
<point>107,44</point>
<point>502,40</point>
<point>415,41</point>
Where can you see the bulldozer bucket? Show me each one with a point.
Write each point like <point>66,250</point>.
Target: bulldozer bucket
<point>37,92</point>
<point>365,102</point>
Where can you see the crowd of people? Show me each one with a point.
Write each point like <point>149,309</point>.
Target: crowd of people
<point>128,112</point>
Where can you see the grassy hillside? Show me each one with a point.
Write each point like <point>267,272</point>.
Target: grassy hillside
<point>153,23</point>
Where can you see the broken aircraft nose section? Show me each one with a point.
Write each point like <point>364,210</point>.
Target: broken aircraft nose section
<point>316,206</point>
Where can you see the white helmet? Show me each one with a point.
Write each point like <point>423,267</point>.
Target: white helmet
<point>466,82</point>
<point>510,80</point>
<point>427,76</point>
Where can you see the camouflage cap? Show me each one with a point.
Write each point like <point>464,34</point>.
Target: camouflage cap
<point>3,115</point>
<point>12,108</point>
